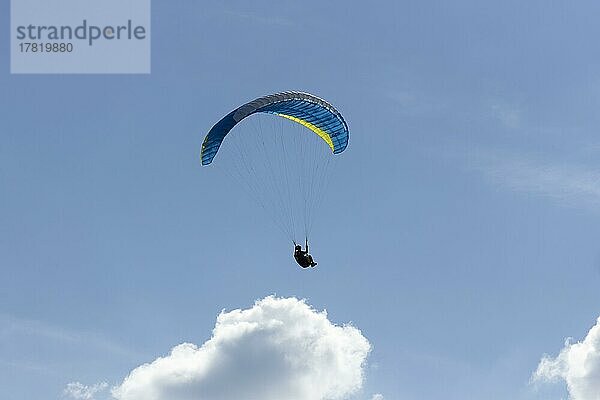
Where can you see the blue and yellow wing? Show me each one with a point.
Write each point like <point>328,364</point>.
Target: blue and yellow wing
<point>306,109</point>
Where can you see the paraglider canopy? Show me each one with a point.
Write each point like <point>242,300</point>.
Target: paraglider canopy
<point>306,109</point>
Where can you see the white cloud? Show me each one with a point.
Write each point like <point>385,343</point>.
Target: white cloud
<point>578,364</point>
<point>280,348</point>
<point>377,396</point>
<point>79,391</point>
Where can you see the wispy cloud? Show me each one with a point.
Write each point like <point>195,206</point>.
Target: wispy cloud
<point>79,391</point>
<point>508,114</point>
<point>567,184</point>
<point>29,367</point>
<point>253,17</point>
<point>13,328</point>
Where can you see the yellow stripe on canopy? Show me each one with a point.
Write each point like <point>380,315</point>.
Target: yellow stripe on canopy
<point>312,127</point>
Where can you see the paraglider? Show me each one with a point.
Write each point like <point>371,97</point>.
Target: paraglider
<point>279,162</point>
<point>303,257</point>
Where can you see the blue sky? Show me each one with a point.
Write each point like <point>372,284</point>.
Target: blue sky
<point>470,193</point>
